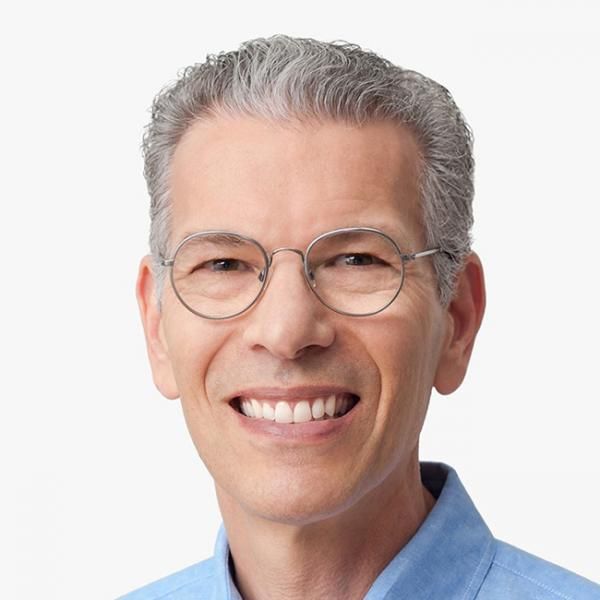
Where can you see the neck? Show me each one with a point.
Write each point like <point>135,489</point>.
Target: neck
<point>339,556</point>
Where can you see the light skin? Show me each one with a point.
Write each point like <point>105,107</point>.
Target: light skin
<point>319,518</point>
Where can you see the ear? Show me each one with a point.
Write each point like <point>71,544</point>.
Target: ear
<point>464,316</point>
<point>153,323</point>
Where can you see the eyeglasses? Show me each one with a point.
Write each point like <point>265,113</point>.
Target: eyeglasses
<point>355,271</point>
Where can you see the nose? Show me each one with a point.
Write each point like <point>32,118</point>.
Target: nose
<point>289,320</point>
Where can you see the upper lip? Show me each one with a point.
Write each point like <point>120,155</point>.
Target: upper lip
<point>302,392</point>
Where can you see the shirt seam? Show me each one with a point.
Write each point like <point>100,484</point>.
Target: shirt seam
<point>467,593</point>
<point>545,587</point>
<point>180,587</point>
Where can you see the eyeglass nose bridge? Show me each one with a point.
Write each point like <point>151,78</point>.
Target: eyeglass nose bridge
<point>285,249</point>
<point>309,276</point>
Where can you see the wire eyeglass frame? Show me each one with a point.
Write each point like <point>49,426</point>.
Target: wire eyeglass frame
<point>268,261</point>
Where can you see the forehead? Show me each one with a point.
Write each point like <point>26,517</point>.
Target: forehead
<point>259,178</point>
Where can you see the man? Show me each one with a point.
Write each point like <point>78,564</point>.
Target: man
<point>311,281</point>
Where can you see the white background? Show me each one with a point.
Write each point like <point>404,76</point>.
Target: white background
<point>101,488</point>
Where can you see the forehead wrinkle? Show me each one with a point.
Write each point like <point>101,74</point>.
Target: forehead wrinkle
<point>346,182</point>
<point>217,153</point>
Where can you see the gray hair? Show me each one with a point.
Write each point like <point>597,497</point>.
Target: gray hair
<point>295,79</point>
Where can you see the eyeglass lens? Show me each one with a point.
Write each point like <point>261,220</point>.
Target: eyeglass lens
<point>219,275</point>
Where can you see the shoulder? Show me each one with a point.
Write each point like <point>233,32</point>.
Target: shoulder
<point>187,583</point>
<point>515,573</point>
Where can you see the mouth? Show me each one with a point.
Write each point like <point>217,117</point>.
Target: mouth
<point>291,411</point>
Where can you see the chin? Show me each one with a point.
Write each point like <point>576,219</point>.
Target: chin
<point>296,502</point>
<point>298,514</point>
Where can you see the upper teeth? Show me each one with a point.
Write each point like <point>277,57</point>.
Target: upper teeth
<point>296,412</point>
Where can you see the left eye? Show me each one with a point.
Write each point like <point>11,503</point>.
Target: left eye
<point>354,260</point>
<point>225,264</point>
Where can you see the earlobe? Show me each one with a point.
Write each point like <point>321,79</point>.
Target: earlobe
<point>464,314</point>
<point>152,321</point>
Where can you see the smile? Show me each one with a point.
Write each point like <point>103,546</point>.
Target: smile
<point>331,406</point>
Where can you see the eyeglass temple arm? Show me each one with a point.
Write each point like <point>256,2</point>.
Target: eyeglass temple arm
<point>421,254</point>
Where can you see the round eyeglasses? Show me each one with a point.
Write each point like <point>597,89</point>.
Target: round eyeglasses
<point>355,271</point>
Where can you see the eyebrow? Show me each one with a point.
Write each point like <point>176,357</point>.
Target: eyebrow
<point>219,236</point>
<point>396,232</point>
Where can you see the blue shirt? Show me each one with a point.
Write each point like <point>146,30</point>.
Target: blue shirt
<point>453,555</point>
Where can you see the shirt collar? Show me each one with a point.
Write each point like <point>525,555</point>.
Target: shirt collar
<point>224,585</point>
<point>451,552</point>
<point>448,556</point>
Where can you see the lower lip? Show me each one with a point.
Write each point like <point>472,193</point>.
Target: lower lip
<point>305,433</point>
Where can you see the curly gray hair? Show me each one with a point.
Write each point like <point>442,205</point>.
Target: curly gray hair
<point>282,78</point>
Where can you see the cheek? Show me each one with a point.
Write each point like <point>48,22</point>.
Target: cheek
<point>406,350</point>
<point>194,347</point>
<point>405,346</point>
<point>193,343</point>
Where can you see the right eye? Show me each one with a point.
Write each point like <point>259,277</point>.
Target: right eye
<point>222,265</point>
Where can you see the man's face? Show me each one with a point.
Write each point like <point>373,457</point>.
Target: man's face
<point>283,186</point>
